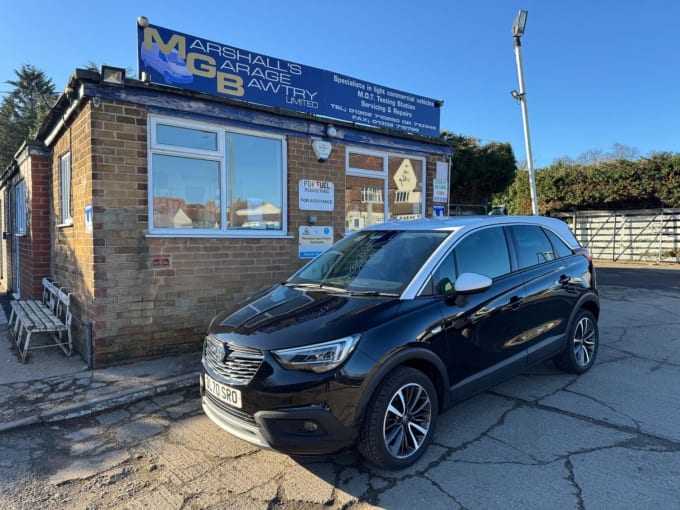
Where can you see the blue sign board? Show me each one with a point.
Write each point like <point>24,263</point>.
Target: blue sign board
<point>174,58</point>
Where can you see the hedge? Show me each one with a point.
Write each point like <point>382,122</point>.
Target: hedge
<point>641,184</point>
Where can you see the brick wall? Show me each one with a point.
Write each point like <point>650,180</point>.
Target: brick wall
<point>34,246</point>
<point>72,261</point>
<point>302,164</point>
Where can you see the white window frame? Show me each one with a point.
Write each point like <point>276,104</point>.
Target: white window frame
<point>65,182</point>
<point>361,172</point>
<point>219,155</point>
<point>20,209</point>
<point>384,174</point>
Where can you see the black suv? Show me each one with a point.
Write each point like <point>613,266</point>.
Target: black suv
<point>371,340</point>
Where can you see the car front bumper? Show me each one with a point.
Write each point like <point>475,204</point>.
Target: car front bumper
<point>306,430</point>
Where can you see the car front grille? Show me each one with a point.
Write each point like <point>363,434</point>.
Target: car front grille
<point>235,364</point>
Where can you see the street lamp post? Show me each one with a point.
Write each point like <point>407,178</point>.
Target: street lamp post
<point>518,31</point>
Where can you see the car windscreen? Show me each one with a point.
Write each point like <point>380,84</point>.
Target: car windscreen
<point>382,261</point>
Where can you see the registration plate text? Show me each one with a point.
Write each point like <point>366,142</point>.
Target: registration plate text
<point>223,392</point>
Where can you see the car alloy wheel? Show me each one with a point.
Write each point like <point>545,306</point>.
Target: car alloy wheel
<point>584,341</point>
<point>580,351</point>
<point>407,420</point>
<point>400,420</point>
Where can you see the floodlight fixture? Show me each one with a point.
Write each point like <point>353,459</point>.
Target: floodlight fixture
<point>520,23</point>
<point>113,75</point>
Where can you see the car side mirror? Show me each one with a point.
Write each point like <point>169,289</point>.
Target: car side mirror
<point>471,283</point>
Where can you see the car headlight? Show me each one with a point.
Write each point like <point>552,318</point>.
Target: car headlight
<point>318,357</point>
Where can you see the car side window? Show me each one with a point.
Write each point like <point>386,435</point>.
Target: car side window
<point>484,252</point>
<point>561,248</point>
<point>442,278</point>
<point>533,246</point>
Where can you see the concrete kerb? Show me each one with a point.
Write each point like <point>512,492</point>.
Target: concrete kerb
<point>52,387</point>
<point>623,264</point>
<point>107,403</point>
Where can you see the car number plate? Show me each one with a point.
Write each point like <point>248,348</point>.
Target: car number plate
<point>223,392</point>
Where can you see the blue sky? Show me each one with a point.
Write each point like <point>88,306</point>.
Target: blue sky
<point>597,73</point>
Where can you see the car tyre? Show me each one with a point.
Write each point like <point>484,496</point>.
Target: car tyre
<point>582,345</point>
<point>400,420</point>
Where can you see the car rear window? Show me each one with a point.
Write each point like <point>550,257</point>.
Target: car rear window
<point>561,248</point>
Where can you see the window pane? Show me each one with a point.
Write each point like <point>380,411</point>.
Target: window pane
<point>20,201</point>
<point>363,202</point>
<point>443,277</point>
<point>185,137</point>
<point>484,252</point>
<point>560,247</point>
<point>534,247</point>
<point>254,182</point>
<point>186,192</point>
<point>365,162</point>
<point>65,184</point>
<point>405,188</point>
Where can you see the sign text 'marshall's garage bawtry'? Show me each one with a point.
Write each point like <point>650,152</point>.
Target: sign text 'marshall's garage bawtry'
<point>178,59</point>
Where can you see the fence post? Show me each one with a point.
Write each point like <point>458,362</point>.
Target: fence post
<point>614,243</point>
<point>660,237</point>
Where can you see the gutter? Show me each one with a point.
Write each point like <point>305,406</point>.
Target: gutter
<point>49,138</point>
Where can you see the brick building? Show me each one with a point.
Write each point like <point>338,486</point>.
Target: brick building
<point>157,206</point>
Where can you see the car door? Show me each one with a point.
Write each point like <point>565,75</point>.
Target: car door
<point>550,291</point>
<point>481,328</point>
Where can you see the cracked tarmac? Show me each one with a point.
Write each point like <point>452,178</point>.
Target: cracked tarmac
<point>607,439</point>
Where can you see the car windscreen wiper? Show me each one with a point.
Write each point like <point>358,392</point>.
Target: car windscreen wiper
<point>318,286</point>
<point>371,293</point>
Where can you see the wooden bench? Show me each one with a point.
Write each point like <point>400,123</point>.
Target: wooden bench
<point>51,315</point>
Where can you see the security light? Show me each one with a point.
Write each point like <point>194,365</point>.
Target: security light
<point>520,23</point>
<point>113,75</point>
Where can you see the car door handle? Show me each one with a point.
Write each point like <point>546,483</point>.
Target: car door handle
<point>515,302</point>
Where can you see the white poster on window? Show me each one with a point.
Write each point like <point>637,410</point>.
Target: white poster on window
<point>440,192</point>
<point>316,195</point>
